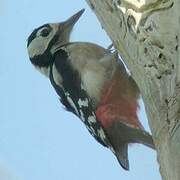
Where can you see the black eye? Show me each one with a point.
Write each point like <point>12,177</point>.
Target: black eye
<point>45,32</point>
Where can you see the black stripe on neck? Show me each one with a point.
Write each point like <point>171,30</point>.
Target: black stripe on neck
<point>71,78</point>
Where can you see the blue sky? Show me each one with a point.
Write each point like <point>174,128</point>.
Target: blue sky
<point>38,139</point>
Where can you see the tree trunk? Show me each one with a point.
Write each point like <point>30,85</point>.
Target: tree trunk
<point>146,34</point>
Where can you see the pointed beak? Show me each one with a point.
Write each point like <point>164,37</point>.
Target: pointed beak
<point>64,29</point>
<point>69,24</point>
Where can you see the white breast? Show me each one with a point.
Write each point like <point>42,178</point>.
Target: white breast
<point>86,58</point>
<point>93,77</point>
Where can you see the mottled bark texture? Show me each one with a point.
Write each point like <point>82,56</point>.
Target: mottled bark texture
<point>146,33</point>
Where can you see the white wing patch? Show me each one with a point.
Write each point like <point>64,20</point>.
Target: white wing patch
<point>91,119</point>
<point>101,134</point>
<point>82,115</point>
<point>91,130</point>
<point>83,102</point>
<point>71,102</point>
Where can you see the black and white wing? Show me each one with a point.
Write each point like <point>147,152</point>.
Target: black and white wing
<point>74,97</point>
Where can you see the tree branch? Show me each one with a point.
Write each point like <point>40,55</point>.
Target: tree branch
<point>146,34</point>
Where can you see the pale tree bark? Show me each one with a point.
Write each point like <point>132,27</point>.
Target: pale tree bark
<point>146,34</point>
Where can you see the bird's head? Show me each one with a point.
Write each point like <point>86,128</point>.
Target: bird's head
<point>43,41</point>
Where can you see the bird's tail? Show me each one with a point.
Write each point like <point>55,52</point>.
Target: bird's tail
<point>143,137</point>
<point>122,156</point>
<point>121,135</point>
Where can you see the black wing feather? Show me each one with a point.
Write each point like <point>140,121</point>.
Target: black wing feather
<point>71,93</point>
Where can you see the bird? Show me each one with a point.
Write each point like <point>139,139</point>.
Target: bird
<point>92,82</point>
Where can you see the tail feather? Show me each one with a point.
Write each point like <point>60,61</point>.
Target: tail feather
<point>121,134</point>
<point>144,138</point>
<point>122,156</point>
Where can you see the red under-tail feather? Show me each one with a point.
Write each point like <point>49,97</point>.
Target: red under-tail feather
<point>119,102</point>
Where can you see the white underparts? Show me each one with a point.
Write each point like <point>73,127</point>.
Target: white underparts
<point>93,78</point>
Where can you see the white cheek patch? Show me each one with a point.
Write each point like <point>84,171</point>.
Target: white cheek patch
<point>37,47</point>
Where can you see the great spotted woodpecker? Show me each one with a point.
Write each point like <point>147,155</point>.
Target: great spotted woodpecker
<point>92,83</point>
